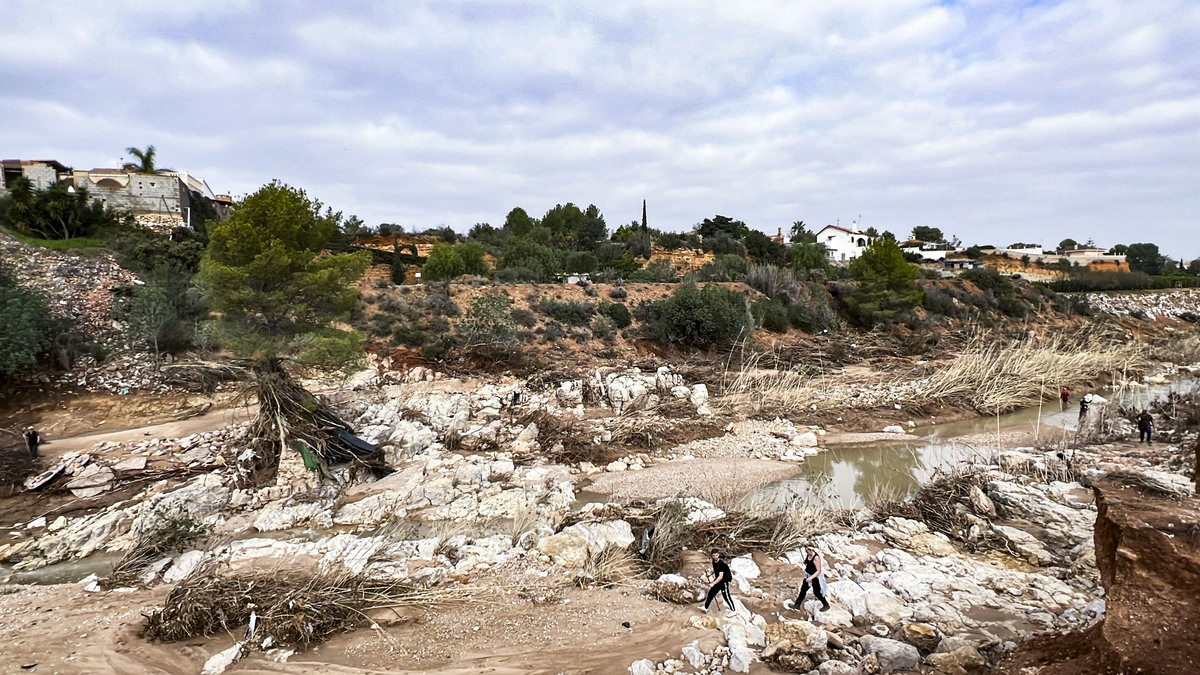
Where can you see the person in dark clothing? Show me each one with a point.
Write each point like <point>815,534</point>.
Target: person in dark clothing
<point>1145,425</point>
<point>1083,405</point>
<point>720,585</point>
<point>814,578</point>
<point>32,440</point>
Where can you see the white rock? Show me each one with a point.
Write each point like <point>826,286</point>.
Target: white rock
<point>893,429</point>
<point>691,652</point>
<point>807,439</point>
<point>217,663</point>
<point>183,566</point>
<point>744,566</point>
<point>642,667</point>
<point>699,395</point>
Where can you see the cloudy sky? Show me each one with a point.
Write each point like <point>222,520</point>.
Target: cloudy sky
<point>995,121</point>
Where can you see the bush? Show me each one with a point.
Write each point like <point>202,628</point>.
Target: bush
<point>487,321</point>
<point>886,284</point>
<point>773,282</point>
<point>571,312</point>
<point>658,271</point>
<point>812,311</point>
<point>771,315</point>
<point>604,328</point>
<point>724,268</point>
<point>524,318</point>
<point>409,335</point>
<point>516,275</point>
<point>939,302</point>
<point>618,293</point>
<point>29,328</point>
<point>618,312</point>
<point>450,261</point>
<point>694,317</point>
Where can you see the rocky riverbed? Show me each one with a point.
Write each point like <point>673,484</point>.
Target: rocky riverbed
<point>522,497</point>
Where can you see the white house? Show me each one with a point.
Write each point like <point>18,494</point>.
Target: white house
<point>844,243</point>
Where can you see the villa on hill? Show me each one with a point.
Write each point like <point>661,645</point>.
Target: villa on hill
<point>844,243</point>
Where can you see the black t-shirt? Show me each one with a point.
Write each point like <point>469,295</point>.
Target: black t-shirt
<point>719,568</point>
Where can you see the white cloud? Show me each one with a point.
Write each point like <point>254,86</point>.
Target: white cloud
<point>1075,117</point>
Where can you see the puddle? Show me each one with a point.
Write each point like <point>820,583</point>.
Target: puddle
<point>68,572</point>
<point>853,475</point>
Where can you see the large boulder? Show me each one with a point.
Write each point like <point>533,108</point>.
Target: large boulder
<point>572,546</point>
<point>893,655</point>
<point>803,636</point>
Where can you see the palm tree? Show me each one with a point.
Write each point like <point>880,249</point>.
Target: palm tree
<point>145,160</point>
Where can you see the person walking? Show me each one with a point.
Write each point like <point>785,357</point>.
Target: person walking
<point>1065,396</point>
<point>32,440</point>
<point>814,578</point>
<point>1145,425</point>
<point>1083,405</point>
<point>722,575</point>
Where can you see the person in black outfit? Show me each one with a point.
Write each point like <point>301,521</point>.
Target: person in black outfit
<point>1145,425</point>
<point>32,440</point>
<point>721,578</point>
<point>814,578</point>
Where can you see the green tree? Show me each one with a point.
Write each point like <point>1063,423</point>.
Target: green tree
<point>277,299</point>
<point>710,227</point>
<point>801,234</point>
<point>931,235</point>
<point>1119,249</point>
<point>886,283</point>
<point>563,221</point>
<point>540,261</point>
<point>164,310</point>
<point>146,160</point>
<point>645,225</point>
<point>592,229</point>
<point>1145,257</point>
<point>443,264</point>
<point>806,257</point>
<point>763,249</point>
<point>518,223</point>
<point>1067,244</point>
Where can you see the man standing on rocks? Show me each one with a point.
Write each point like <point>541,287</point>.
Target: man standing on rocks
<point>814,577</point>
<point>1145,425</point>
<point>721,578</point>
<point>32,440</point>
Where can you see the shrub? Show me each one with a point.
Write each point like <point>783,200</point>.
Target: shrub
<point>409,335</point>
<point>618,312</point>
<point>618,293</point>
<point>524,318</point>
<point>812,311</point>
<point>554,331</point>
<point>773,282</point>
<point>580,262</point>
<point>938,301</point>
<point>603,328</point>
<point>29,328</point>
<point>724,268</point>
<point>658,271</point>
<point>450,261</point>
<point>771,315</point>
<point>487,321</point>
<point>516,275</point>
<point>53,213</point>
<point>694,317</point>
<point>570,312</point>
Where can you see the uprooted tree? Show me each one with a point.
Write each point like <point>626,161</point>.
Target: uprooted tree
<point>277,296</point>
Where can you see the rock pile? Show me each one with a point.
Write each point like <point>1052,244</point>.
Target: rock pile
<point>1155,305</point>
<point>80,287</point>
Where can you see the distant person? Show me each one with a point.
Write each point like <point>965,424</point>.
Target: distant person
<point>1083,405</point>
<point>1065,396</point>
<point>32,440</point>
<point>1145,425</point>
<point>814,578</point>
<point>720,585</point>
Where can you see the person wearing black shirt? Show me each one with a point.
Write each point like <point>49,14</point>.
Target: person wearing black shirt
<point>32,440</point>
<point>814,578</point>
<point>720,585</point>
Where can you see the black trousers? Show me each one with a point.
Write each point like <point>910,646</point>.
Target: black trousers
<point>723,589</point>
<point>816,589</point>
<point>1145,435</point>
<point>32,447</point>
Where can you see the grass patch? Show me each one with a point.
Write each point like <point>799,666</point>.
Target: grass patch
<point>73,244</point>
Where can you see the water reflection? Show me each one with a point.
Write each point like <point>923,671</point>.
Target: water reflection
<point>850,476</point>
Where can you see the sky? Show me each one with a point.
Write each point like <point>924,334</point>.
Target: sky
<point>997,122</point>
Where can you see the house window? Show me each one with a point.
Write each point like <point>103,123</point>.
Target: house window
<point>862,242</point>
<point>843,256</point>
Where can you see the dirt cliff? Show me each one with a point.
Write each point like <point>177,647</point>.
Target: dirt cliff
<point>1148,554</point>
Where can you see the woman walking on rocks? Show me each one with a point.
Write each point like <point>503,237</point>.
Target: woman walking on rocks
<point>720,585</point>
<point>814,577</point>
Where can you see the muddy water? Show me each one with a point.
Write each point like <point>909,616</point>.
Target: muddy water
<point>853,475</point>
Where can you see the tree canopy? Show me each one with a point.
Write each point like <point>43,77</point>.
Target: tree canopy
<point>1145,257</point>
<point>927,234</point>
<point>886,283</point>
<point>276,295</point>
